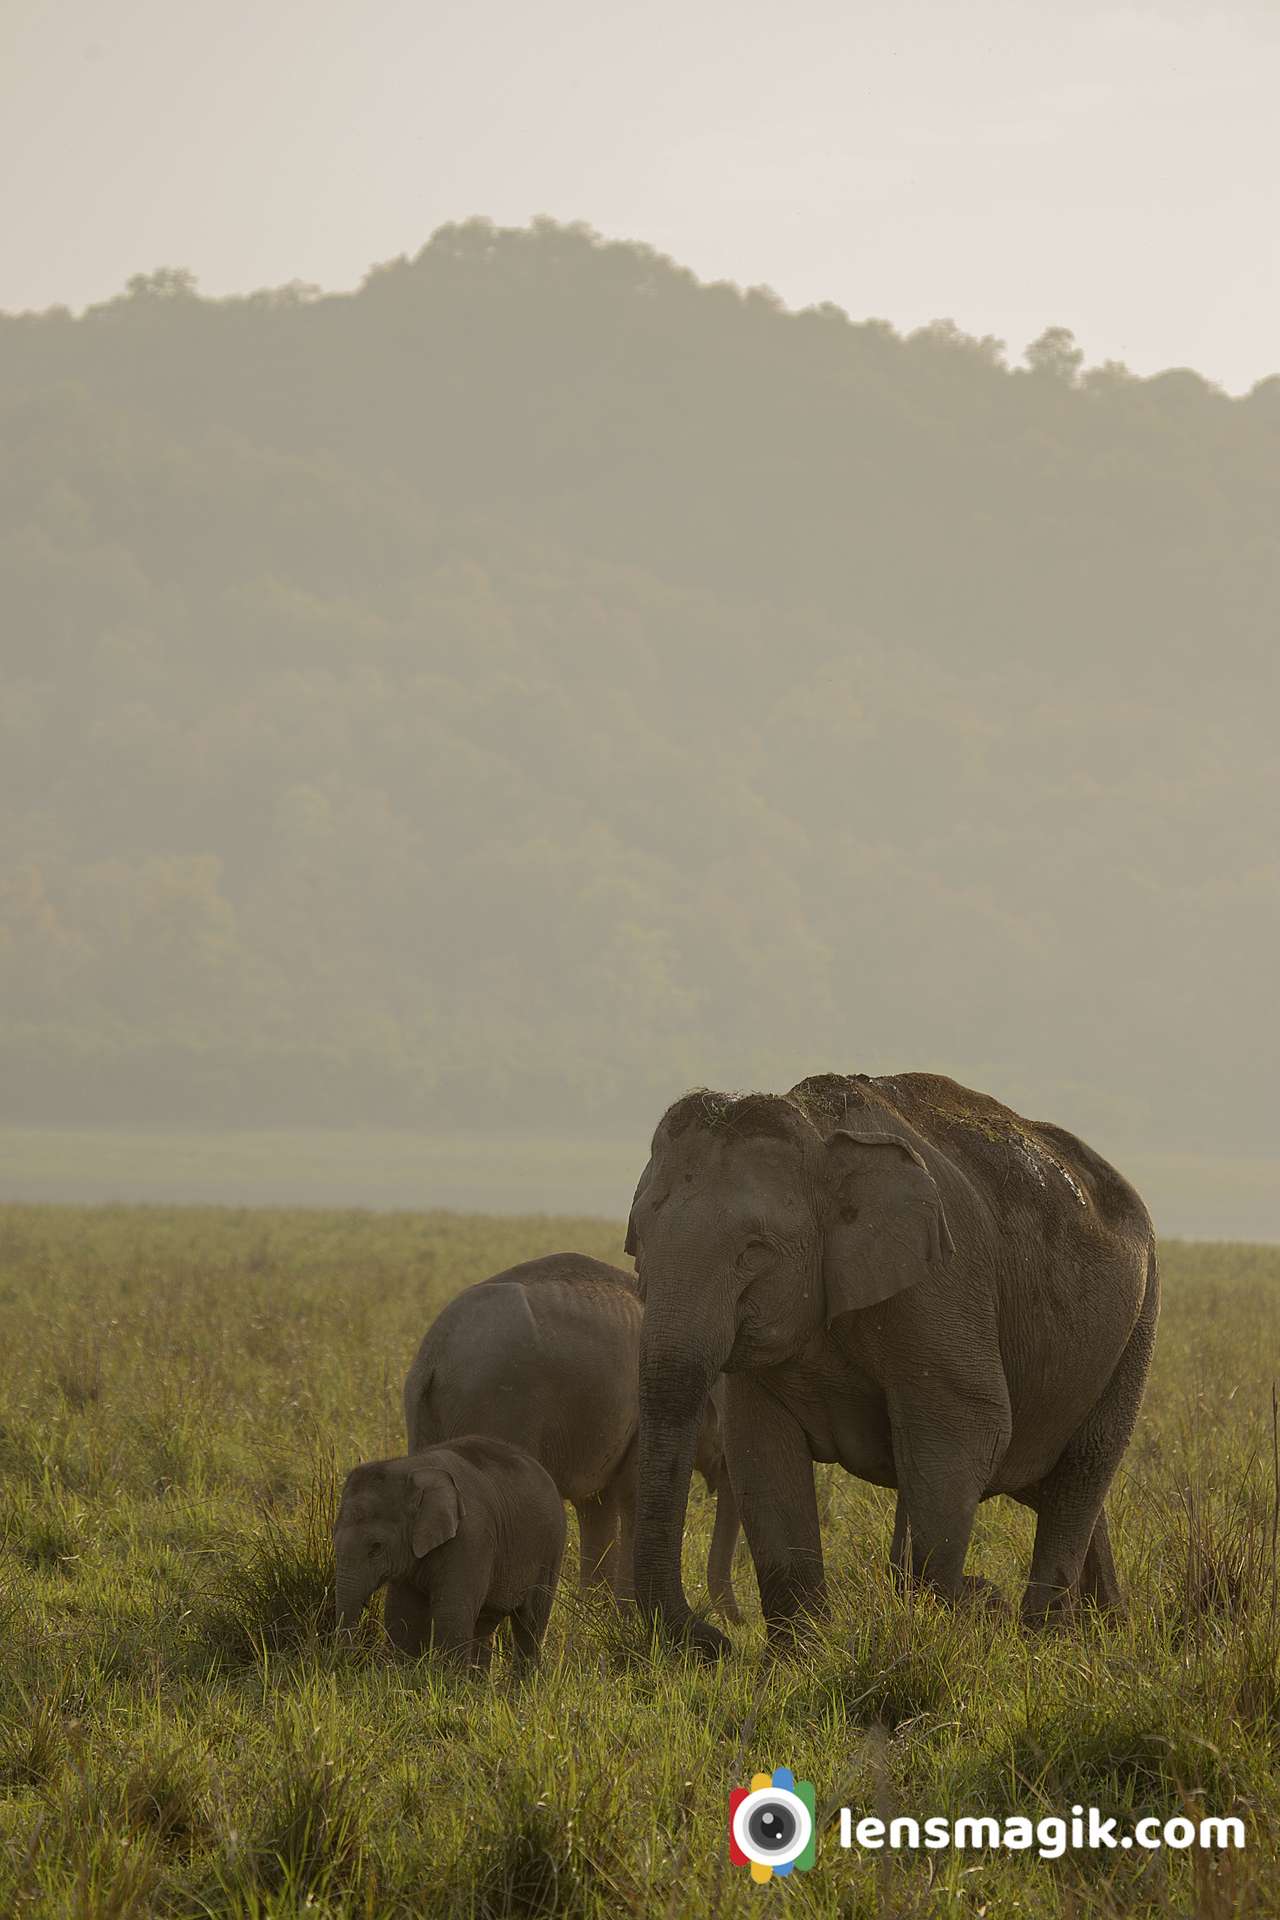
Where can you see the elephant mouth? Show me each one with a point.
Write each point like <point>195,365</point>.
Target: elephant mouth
<point>744,1355</point>
<point>758,1345</point>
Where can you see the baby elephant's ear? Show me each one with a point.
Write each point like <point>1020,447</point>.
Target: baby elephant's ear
<point>439,1510</point>
<point>885,1221</point>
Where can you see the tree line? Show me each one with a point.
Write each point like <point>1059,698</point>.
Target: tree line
<point>537,681</point>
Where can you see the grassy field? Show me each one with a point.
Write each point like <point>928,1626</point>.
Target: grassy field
<point>179,1389</point>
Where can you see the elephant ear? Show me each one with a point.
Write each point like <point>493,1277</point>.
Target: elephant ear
<point>886,1225</point>
<point>439,1509</point>
<point>629,1244</point>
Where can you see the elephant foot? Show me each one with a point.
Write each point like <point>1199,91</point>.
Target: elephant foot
<point>789,1634</point>
<point>702,1640</point>
<point>788,1640</point>
<point>1043,1612</point>
<point>984,1596</point>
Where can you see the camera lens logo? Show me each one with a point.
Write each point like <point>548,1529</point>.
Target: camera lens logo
<point>772,1824</point>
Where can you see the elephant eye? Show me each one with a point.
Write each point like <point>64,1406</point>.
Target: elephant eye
<point>755,1254</point>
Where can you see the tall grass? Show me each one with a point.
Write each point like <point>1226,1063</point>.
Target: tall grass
<point>180,1733</point>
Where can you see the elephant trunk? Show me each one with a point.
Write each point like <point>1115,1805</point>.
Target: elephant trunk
<point>675,1378</point>
<point>352,1593</point>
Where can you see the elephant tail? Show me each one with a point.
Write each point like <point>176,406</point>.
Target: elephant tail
<point>1151,1298</point>
<point>422,1425</point>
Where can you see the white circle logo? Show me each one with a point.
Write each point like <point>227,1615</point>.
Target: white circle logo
<point>772,1826</point>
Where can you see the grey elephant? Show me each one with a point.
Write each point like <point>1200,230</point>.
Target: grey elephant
<point>463,1537</point>
<point>546,1355</point>
<point>906,1277</point>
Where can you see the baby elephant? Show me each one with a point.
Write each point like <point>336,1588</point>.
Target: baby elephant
<point>462,1536</point>
<point>547,1355</point>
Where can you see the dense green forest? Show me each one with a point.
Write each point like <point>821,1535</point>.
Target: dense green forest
<point>538,681</point>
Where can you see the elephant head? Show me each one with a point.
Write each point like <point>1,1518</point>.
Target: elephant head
<point>391,1515</point>
<point>752,1232</point>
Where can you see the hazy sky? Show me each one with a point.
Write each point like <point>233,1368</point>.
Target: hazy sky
<point>1010,163</point>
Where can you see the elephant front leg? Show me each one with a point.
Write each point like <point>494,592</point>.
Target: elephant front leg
<point>453,1593</point>
<point>771,1468</point>
<point>944,1452</point>
<point>406,1615</point>
<point>443,1624</point>
<point>975,1589</point>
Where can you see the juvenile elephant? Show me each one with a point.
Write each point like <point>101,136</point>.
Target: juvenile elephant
<point>906,1277</point>
<point>462,1537</point>
<point>547,1355</point>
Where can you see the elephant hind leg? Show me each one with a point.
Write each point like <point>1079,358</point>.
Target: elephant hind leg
<point>1071,1561</point>
<point>1097,1583</point>
<point>1099,1586</point>
<point>529,1622</point>
<point>1072,1553</point>
<point>598,1539</point>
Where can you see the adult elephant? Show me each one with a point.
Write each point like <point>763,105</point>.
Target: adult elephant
<point>546,1355</point>
<point>906,1277</point>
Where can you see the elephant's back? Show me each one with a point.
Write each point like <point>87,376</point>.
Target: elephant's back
<point>561,1286</point>
<point>1009,1162</point>
<point>1113,1198</point>
<point>541,1303</point>
<point>570,1269</point>
<point>544,1355</point>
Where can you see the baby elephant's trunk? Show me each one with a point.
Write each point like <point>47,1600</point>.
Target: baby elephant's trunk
<point>351,1596</point>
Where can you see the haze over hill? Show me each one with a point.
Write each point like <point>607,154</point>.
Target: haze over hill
<point>538,681</point>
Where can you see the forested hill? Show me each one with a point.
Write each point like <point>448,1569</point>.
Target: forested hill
<point>538,681</point>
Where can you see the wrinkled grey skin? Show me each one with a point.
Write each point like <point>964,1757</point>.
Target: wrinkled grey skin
<point>547,1355</point>
<point>905,1277</point>
<point>462,1537</point>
